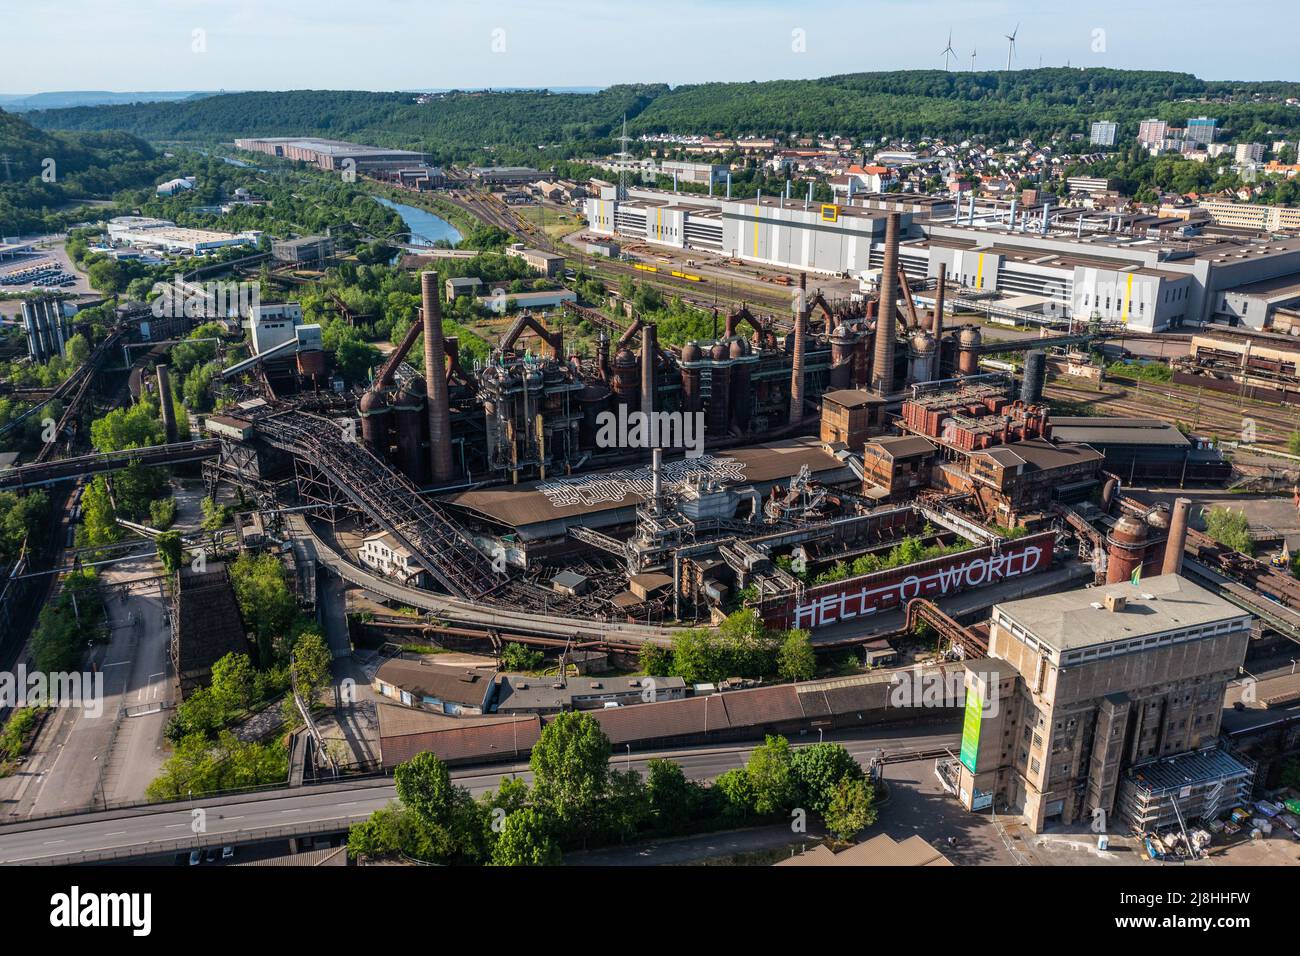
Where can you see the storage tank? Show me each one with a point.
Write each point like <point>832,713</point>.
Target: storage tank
<point>920,353</point>
<point>1126,545</point>
<point>592,400</point>
<point>1031,386</point>
<point>627,379</point>
<point>843,342</point>
<point>376,419</point>
<point>968,339</point>
<point>691,357</point>
<point>409,421</point>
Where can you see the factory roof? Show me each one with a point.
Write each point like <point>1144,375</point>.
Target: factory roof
<point>432,680</point>
<point>853,397</point>
<point>905,446</point>
<point>1185,770</point>
<point>1118,431</point>
<point>1279,288</point>
<point>523,692</point>
<point>1079,619</point>
<point>580,494</point>
<point>1043,455</point>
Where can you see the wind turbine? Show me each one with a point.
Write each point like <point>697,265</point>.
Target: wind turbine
<point>1011,44</point>
<point>948,52</point>
<point>972,61</point>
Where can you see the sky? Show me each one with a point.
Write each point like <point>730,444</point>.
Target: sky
<point>139,45</point>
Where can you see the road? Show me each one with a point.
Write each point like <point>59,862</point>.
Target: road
<point>281,813</point>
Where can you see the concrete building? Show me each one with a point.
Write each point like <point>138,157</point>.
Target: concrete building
<point>331,154</point>
<point>1086,692</point>
<point>304,249</point>
<point>1254,216</point>
<point>273,323</point>
<point>461,285</point>
<point>549,264</point>
<point>174,186</point>
<point>164,234</point>
<point>1103,133</point>
<point>1116,268</point>
<point>544,299</point>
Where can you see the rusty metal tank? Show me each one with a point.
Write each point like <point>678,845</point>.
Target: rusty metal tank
<point>410,422</point>
<point>1126,546</point>
<point>627,379</point>
<point>921,351</point>
<point>376,420</point>
<point>692,355</point>
<point>843,341</point>
<point>968,339</point>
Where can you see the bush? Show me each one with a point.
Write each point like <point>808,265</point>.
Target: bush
<point>518,657</point>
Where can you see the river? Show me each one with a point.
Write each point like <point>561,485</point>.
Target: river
<point>426,228</point>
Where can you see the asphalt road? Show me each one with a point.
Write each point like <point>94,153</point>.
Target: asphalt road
<point>127,833</point>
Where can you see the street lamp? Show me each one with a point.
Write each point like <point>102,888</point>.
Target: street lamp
<point>629,758</point>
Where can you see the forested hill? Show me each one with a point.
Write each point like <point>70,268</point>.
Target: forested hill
<point>905,103</point>
<point>86,165</point>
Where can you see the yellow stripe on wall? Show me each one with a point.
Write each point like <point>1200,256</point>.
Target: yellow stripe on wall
<point>979,273</point>
<point>1128,294</point>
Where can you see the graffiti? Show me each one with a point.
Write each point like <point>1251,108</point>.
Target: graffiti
<point>615,486</point>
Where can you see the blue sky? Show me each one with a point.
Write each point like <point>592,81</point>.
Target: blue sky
<point>406,44</point>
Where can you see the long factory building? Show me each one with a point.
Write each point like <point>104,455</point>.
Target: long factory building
<point>1149,282</point>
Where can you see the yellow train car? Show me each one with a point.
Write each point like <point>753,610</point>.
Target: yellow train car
<point>645,268</point>
<point>688,277</point>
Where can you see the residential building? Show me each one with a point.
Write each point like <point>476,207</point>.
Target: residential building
<point>1103,133</point>
<point>1202,129</point>
<point>1254,216</point>
<point>386,554</point>
<point>1153,132</point>
<point>1250,152</point>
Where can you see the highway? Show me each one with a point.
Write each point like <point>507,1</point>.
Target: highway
<point>281,813</point>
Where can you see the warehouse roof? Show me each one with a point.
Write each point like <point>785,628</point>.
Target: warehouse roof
<point>582,494</point>
<point>1118,431</point>
<point>1075,619</point>
<point>905,446</point>
<point>431,680</point>
<point>852,397</point>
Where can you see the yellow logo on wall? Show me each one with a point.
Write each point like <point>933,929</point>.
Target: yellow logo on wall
<point>830,213</point>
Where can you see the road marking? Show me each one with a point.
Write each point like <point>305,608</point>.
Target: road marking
<point>52,842</point>
<point>115,833</point>
<point>172,826</point>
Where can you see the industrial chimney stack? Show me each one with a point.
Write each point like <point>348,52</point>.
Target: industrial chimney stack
<point>800,334</point>
<point>936,323</point>
<point>649,343</point>
<point>435,375</point>
<point>887,319</point>
<point>1177,542</point>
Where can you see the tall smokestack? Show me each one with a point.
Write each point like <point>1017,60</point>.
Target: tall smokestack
<point>165,403</point>
<point>435,377</point>
<point>656,476</point>
<point>649,340</point>
<point>728,184</point>
<point>936,324</point>
<point>883,359</point>
<point>1173,563</point>
<point>1011,219</point>
<point>1047,215</point>
<point>796,368</point>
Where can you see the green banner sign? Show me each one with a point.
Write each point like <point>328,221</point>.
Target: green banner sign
<point>970,729</point>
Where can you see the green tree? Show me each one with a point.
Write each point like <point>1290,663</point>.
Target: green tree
<point>570,764</point>
<point>818,769</point>
<point>772,776</point>
<point>655,661</point>
<point>796,659</point>
<point>1230,528</point>
<point>424,785</point>
<point>518,657</point>
<point>850,809</point>
<point>169,551</point>
<point>525,841</point>
<point>311,663</point>
<point>233,682</point>
<point>737,794</point>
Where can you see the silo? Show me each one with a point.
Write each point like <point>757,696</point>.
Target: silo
<point>626,380</point>
<point>843,342</point>
<point>921,353</point>
<point>408,421</point>
<point>1031,386</point>
<point>968,339</point>
<point>1126,545</point>
<point>375,419</point>
<point>691,357</point>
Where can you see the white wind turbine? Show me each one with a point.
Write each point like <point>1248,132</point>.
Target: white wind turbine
<point>1011,44</point>
<point>948,53</point>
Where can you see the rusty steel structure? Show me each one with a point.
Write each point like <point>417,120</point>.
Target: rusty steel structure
<point>921,610</point>
<point>435,374</point>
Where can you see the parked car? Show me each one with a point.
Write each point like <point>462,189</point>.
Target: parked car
<point>196,857</point>
<point>227,852</point>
